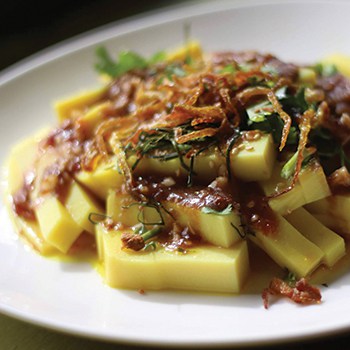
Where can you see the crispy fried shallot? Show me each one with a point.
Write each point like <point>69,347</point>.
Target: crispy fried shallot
<point>302,293</point>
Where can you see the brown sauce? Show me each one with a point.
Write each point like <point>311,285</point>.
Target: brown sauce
<point>21,202</point>
<point>194,197</point>
<point>255,210</point>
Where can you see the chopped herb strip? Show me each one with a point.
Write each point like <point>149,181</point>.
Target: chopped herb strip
<point>141,215</point>
<point>96,218</point>
<point>150,246</point>
<point>242,235</point>
<point>151,233</point>
<point>226,211</point>
<point>191,172</point>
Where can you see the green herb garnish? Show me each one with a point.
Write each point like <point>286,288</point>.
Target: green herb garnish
<point>226,211</point>
<point>96,218</point>
<point>141,215</point>
<point>288,169</point>
<point>126,61</point>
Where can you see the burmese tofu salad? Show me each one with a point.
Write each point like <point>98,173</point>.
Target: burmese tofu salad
<point>184,169</point>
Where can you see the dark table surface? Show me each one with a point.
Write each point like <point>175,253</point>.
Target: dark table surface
<point>27,27</point>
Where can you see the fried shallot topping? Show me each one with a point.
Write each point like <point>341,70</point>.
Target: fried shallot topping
<point>301,292</point>
<point>132,241</point>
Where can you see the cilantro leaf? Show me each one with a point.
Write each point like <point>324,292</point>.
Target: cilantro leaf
<point>105,63</point>
<point>126,61</point>
<point>159,56</point>
<point>129,60</point>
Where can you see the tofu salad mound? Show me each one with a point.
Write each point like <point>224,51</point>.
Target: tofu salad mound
<point>184,165</point>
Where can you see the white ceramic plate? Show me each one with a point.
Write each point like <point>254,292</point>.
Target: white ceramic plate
<point>72,297</point>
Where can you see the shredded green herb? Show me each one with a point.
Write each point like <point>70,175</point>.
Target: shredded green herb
<point>96,218</point>
<point>141,214</point>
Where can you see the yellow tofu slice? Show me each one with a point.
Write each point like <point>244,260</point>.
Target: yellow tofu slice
<point>105,177</point>
<point>203,268</point>
<point>65,107</point>
<point>286,202</point>
<point>255,160</point>
<point>332,245</point>
<point>56,225</point>
<point>80,205</point>
<point>289,248</point>
<point>333,212</point>
<point>30,231</point>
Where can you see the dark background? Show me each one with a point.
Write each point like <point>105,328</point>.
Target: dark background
<point>27,26</point>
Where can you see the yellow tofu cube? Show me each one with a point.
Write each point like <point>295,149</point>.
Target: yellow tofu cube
<point>313,182</point>
<point>206,167</point>
<point>286,202</point>
<point>99,181</point>
<point>254,161</point>
<point>80,205</point>
<point>79,102</point>
<point>332,245</point>
<point>202,268</point>
<point>147,165</point>
<point>123,209</point>
<point>56,225</point>
<point>307,75</point>
<point>289,248</point>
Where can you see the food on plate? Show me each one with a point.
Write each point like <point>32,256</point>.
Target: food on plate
<point>183,165</point>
